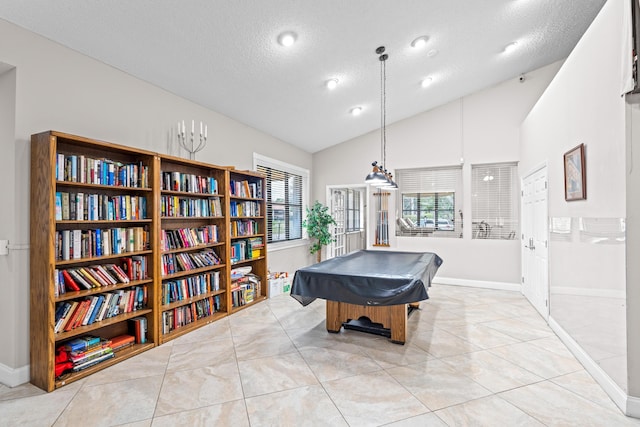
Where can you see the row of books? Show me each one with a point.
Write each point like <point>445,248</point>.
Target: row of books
<point>188,237</point>
<point>182,316</point>
<point>139,327</point>
<point>190,183</point>
<point>189,287</point>
<point>245,290</point>
<point>72,206</point>
<point>173,263</point>
<point>246,189</point>
<point>79,168</point>
<point>245,227</point>
<point>75,313</point>
<point>78,244</point>
<point>176,207</point>
<point>89,277</point>
<point>245,208</point>
<point>246,249</point>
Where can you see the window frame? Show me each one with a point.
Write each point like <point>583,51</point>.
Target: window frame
<point>438,182</point>
<point>356,207</point>
<point>492,227</point>
<point>268,162</point>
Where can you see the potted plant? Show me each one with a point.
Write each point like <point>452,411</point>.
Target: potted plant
<point>317,224</point>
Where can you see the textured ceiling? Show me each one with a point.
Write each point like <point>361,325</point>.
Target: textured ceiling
<point>224,54</point>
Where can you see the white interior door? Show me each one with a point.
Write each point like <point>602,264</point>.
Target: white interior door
<point>337,210</point>
<point>535,241</point>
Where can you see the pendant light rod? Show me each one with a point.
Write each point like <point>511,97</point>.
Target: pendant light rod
<point>379,175</point>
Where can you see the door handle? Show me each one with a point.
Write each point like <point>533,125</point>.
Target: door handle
<point>530,247</point>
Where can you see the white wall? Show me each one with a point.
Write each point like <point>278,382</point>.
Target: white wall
<point>57,88</point>
<point>480,128</point>
<point>587,275</point>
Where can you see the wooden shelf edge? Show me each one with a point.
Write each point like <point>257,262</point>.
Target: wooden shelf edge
<point>119,357</point>
<point>81,330</point>
<point>175,304</point>
<point>101,290</point>
<point>67,262</point>
<point>254,302</point>
<point>192,248</point>
<point>191,326</point>
<point>180,274</point>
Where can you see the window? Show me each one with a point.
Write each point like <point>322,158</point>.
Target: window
<point>286,196</point>
<point>430,202</point>
<point>494,201</point>
<point>352,210</point>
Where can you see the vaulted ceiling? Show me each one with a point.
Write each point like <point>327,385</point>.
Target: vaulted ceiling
<point>225,54</point>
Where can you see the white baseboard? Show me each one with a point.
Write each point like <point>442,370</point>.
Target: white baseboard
<point>13,377</point>
<point>503,286</point>
<point>630,406</point>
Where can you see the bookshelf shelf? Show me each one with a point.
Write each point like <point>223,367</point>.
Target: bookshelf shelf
<point>246,261</point>
<point>83,330</point>
<point>109,188</point>
<point>190,194</point>
<point>180,303</point>
<point>246,236</point>
<point>183,330</point>
<point>193,248</point>
<point>249,304</point>
<point>108,288</point>
<point>186,273</point>
<point>98,259</point>
<point>119,357</point>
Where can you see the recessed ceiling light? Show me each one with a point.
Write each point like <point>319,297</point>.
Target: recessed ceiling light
<point>287,38</point>
<point>331,83</point>
<point>419,42</point>
<point>510,47</point>
<point>355,111</point>
<point>426,81</point>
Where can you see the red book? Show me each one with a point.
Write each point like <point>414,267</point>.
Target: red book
<point>73,317</point>
<point>122,341</point>
<point>128,267</point>
<point>84,306</point>
<point>69,282</point>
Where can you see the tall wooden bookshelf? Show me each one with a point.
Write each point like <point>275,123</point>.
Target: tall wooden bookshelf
<point>168,224</point>
<point>81,191</point>
<point>247,239</point>
<point>193,246</point>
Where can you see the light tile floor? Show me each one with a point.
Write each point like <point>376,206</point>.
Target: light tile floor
<point>473,357</point>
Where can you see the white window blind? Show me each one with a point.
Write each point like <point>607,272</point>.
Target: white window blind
<point>430,202</point>
<point>494,201</point>
<point>286,190</point>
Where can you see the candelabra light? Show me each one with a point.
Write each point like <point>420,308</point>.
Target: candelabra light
<point>189,141</point>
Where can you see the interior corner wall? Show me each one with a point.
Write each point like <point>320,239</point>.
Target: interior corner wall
<point>59,89</point>
<point>587,262</point>
<point>480,128</point>
<point>9,315</point>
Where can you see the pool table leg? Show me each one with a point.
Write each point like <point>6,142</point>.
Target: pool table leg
<point>334,322</point>
<point>398,316</point>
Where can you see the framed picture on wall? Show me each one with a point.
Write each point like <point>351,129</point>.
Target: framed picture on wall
<point>575,174</point>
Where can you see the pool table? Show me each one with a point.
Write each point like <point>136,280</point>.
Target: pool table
<point>369,290</point>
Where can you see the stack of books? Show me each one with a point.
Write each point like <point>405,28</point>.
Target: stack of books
<point>87,351</point>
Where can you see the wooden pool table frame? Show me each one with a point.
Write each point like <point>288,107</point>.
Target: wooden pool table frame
<point>392,317</point>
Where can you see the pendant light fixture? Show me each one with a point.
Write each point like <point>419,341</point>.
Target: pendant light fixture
<point>379,176</point>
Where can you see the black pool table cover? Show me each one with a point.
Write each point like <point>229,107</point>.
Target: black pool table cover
<point>368,277</point>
